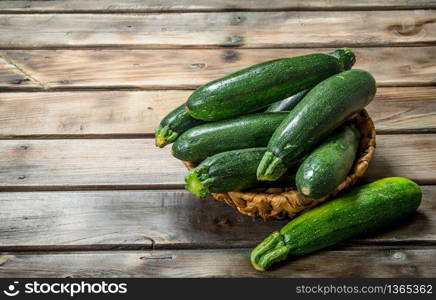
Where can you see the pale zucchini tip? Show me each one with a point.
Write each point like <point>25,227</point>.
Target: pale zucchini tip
<point>195,186</point>
<point>270,167</point>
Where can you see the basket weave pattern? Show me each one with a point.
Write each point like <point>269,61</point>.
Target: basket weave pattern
<point>280,203</point>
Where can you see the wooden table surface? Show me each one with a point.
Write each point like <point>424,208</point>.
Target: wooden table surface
<point>83,84</point>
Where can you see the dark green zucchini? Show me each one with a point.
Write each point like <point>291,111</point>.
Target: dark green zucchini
<point>362,210</point>
<point>322,110</point>
<point>261,85</point>
<point>205,140</point>
<point>288,103</point>
<point>174,124</point>
<point>231,171</point>
<point>328,165</point>
<point>225,172</point>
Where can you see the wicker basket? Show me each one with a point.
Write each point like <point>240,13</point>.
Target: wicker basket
<point>281,203</point>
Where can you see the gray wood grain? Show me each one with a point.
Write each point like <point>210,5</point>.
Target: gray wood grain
<point>100,6</point>
<point>242,29</point>
<point>11,75</point>
<point>137,163</point>
<point>99,114</point>
<point>189,68</point>
<point>159,219</point>
<point>371,262</point>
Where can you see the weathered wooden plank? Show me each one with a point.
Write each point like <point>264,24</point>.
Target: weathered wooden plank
<point>244,29</point>
<point>189,68</point>
<point>86,113</point>
<point>163,219</point>
<point>123,219</point>
<point>98,163</point>
<point>372,262</point>
<point>203,5</point>
<point>404,109</point>
<point>411,156</point>
<point>137,113</point>
<point>11,76</point>
<point>136,163</point>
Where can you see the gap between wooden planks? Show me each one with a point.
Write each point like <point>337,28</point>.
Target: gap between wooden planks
<point>132,6</point>
<point>138,164</point>
<point>241,29</point>
<point>123,114</point>
<point>189,68</point>
<point>372,262</point>
<point>129,220</point>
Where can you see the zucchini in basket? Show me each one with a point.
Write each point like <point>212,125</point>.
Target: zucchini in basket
<point>287,104</point>
<point>208,139</point>
<point>320,112</point>
<point>263,84</point>
<point>329,164</point>
<point>174,124</point>
<point>231,171</point>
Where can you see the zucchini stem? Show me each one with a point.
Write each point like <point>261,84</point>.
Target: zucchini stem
<point>271,250</point>
<point>270,167</point>
<point>164,136</point>
<point>345,57</point>
<point>194,184</point>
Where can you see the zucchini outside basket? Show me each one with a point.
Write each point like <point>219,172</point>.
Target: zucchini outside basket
<point>282,203</point>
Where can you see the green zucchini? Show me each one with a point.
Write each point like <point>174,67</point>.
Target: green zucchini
<point>260,85</point>
<point>231,171</point>
<point>174,124</point>
<point>362,210</point>
<point>321,111</point>
<point>288,103</point>
<point>208,139</point>
<point>328,165</point>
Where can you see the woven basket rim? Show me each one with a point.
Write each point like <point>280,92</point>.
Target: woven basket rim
<point>281,203</point>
